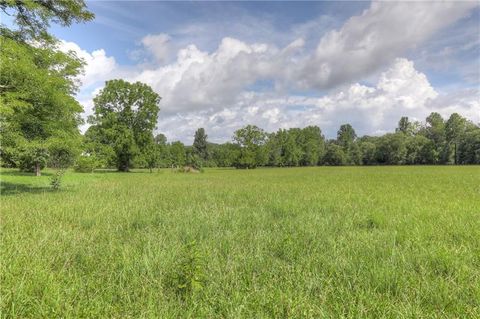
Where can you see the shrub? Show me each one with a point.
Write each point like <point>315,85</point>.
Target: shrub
<point>86,164</point>
<point>188,276</point>
<point>56,180</point>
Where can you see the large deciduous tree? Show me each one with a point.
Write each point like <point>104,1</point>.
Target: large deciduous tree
<point>125,115</point>
<point>251,140</point>
<point>39,115</point>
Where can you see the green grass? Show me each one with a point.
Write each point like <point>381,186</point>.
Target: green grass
<point>356,242</point>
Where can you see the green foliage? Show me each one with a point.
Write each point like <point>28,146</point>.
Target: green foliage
<point>225,154</point>
<point>334,155</point>
<point>251,140</point>
<point>37,104</point>
<point>195,162</point>
<point>346,136</point>
<point>177,154</point>
<point>33,157</point>
<point>125,115</point>
<point>392,149</point>
<point>33,17</point>
<point>200,144</point>
<point>63,151</point>
<point>188,277</point>
<point>87,164</point>
<point>469,147</point>
<point>56,180</point>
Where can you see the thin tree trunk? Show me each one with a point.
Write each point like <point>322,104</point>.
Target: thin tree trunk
<point>37,169</point>
<point>455,154</point>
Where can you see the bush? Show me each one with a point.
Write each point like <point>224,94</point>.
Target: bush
<point>63,152</point>
<point>86,164</point>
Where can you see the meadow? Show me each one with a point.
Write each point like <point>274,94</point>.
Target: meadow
<point>321,242</point>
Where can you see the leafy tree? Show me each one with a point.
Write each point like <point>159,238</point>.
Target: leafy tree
<point>33,157</point>
<point>251,140</point>
<point>200,144</point>
<point>292,151</point>
<point>420,150</point>
<point>406,127</point>
<point>125,115</point>
<point>469,147</point>
<point>455,129</point>
<point>161,146</point>
<point>368,151</point>
<point>226,154</point>
<point>334,155</point>
<point>435,131</point>
<point>178,154</point>
<point>36,97</point>
<point>152,156</point>
<point>37,86</point>
<point>313,145</point>
<point>346,136</point>
<point>33,17</point>
<point>392,149</point>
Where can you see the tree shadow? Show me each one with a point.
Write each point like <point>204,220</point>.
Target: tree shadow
<point>7,188</point>
<point>20,173</point>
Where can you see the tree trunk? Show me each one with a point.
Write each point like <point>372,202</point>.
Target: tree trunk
<point>37,169</point>
<point>455,154</point>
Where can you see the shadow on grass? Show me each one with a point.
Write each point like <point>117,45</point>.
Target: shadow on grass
<point>19,173</point>
<point>7,188</point>
<point>109,171</point>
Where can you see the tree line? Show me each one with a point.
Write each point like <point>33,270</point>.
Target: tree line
<point>40,118</point>
<point>125,113</point>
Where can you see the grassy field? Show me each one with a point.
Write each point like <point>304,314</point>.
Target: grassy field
<point>357,242</point>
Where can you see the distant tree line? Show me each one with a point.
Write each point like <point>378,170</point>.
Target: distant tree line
<point>437,141</point>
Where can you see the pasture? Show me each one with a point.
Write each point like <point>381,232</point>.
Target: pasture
<point>321,242</point>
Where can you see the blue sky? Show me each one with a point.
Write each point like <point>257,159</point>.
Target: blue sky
<point>222,65</point>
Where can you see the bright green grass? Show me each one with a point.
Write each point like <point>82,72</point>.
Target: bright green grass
<point>394,242</point>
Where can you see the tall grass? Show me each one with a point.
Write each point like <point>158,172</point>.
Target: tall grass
<point>357,242</point>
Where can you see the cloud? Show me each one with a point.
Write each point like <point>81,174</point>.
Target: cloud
<point>313,80</point>
<point>199,80</point>
<point>158,45</point>
<point>98,67</point>
<point>368,42</point>
<point>400,91</point>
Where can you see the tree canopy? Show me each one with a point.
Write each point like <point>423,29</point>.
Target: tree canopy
<point>125,115</point>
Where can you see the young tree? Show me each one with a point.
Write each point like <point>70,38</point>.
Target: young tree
<point>125,114</point>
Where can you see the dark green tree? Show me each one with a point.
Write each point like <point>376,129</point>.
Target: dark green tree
<point>455,129</point>
<point>334,155</point>
<point>200,144</point>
